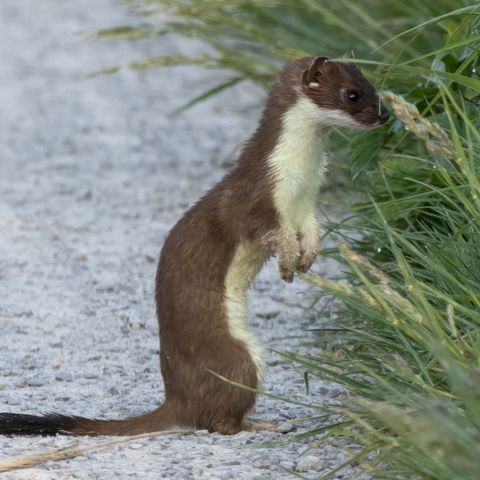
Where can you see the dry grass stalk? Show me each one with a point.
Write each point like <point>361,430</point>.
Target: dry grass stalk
<point>395,298</point>
<point>429,131</point>
<point>381,277</point>
<point>27,461</point>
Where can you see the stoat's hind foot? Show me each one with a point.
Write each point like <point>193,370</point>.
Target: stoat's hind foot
<point>227,426</point>
<point>258,426</point>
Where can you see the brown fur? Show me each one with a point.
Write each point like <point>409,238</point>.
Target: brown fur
<point>190,283</point>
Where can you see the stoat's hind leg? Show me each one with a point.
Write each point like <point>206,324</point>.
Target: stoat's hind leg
<point>223,406</point>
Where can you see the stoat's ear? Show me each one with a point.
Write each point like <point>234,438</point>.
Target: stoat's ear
<point>310,75</point>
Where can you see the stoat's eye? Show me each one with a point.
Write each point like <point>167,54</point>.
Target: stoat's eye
<point>351,95</point>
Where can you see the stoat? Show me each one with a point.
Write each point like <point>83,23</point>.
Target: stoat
<point>264,206</point>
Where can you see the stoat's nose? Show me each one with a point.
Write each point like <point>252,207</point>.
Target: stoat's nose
<point>384,115</point>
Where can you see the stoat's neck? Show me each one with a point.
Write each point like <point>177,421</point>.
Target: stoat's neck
<point>297,163</point>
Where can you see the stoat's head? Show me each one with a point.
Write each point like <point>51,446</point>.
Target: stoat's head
<point>341,94</point>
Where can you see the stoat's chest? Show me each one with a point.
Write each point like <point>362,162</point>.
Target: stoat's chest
<point>297,165</point>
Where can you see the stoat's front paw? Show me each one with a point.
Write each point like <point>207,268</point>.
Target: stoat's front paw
<point>285,273</point>
<point>309,247</point>
<point>288,252</point>
<point>305,261</point>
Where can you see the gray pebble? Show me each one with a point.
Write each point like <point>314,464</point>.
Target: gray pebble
<point>136,446</point>
<point>34,382</point>
<point>309,462</point>
<point>287,465</point>
<point>57,363</point>
<point>63,377</point>
<point>285,427</point>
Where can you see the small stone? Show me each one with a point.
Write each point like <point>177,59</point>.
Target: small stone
<point>275,362</point>
<point>64,377</point>
<point>89,312</point>
<point>201,433</point>
<point>309,463</point>
<point>287,465</point>
<point>136,446</point>
<point>107,283</point>
<point>32,382</point>
<point>244,435</point>
<point>56,363</point>
<point>285,427</point>
<point>268,315</point>
<point>80,256</point>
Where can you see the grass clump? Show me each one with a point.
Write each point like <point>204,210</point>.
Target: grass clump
<point>408,344</point>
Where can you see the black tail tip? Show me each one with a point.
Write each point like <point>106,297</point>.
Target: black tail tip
<point>22,424</point>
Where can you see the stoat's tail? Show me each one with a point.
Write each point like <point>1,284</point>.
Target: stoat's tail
<point>53,423</point>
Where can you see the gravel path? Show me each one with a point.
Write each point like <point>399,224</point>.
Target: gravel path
<point>93,173</point>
